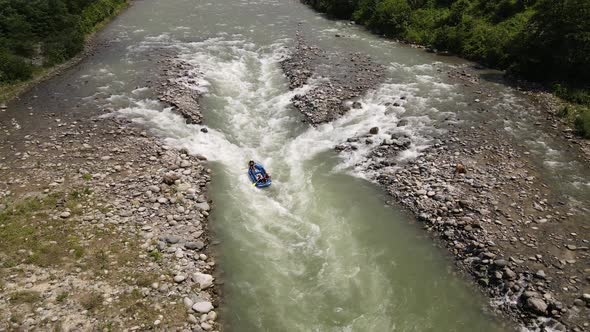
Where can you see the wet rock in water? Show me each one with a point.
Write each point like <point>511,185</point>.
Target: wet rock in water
<point>357,105</point>
<point>374,131</point>
<point>203,307</point>
<point>340,147</point>
<point>204,130</point>
<point>402,123</point>
<point>553,325</point>
<point>536,305</point>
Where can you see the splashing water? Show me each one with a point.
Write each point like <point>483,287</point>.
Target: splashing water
<point>317,251</point>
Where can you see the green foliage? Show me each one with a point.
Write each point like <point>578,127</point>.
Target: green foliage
<point>13,68</point>
<point>540,39</point>
<point>556,45</point>
<point>52,31</point>
<point>582,123</point>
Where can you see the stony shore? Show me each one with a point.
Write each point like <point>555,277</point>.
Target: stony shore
<point>328,99</point>
<point>481,198</point>
<point>103,227</point>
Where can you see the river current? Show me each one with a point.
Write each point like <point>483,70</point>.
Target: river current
<point>318,250</point>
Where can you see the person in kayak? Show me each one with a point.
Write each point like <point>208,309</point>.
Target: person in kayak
<point>256,171</point>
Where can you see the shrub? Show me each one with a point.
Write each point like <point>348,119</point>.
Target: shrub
<point>582,123</point>
<point>391,17</point>
<point>14,68</point>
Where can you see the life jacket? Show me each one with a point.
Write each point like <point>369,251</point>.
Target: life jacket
<point>258,173</point>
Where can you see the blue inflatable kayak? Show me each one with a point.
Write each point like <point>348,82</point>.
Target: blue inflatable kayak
<point>259,177</point>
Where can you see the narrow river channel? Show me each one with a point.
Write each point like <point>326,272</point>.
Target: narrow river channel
<point>319,250</point>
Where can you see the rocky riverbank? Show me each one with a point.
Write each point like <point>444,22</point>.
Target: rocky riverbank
<point>103,227</point>
<point>482,197</point>
<point>339,79</point>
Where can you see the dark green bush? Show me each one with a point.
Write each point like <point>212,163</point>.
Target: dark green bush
<point>540,39</point>
<point>52,30</point>
<point>14,68</point>
<point>582,123</point>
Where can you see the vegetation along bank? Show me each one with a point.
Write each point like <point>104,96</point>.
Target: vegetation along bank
<point>36,35</point>
<point>547,41</point>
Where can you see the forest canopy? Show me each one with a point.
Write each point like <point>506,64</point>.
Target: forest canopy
<point>36,33</point>
<point>544,40</point>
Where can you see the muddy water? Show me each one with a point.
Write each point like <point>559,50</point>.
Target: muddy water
<point>318,250</point>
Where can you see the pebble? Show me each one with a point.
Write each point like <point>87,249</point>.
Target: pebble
<point>179,278</point>
<point>188,302</point>
<point>192,319</point>
<point>540,274</point>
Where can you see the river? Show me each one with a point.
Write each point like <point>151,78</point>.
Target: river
<point>319,250</point>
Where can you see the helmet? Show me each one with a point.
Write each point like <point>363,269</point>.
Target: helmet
<point>251,163</point>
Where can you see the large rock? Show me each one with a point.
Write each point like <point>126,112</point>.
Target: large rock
<point>203,307</point>
<point>536,305</point>
<point>203,206</point>
<point>374,131</point>
<point>204,280</point>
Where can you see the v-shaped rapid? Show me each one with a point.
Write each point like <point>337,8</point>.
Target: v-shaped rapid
<point>318,250</point>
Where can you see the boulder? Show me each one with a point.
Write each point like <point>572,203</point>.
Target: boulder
<point>402,123</point>
<point>203,206</point>
<point>204,280</point>
<point>203,307</point>
<point>536,305</point>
